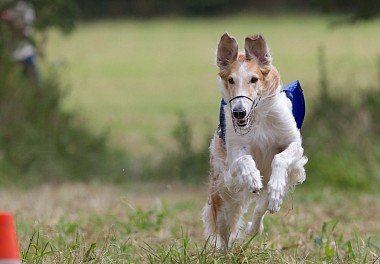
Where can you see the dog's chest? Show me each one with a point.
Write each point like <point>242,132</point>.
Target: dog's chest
<point>263,159</point>
<point>263,145</point>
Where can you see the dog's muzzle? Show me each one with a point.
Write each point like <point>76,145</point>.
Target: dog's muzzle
<point>241,120</point>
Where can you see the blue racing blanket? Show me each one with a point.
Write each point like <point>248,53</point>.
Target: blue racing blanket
<point>295,94</point>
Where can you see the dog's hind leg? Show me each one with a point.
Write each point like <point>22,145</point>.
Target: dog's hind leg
<point>229,223</point>
<point>222,216</point>
<point>222,213</point>
<point>212,215</point>
<point>222,220</point>
<point>256,227</point>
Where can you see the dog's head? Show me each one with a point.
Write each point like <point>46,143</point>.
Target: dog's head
<point>246,77</point>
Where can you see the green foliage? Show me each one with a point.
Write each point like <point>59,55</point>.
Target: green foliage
<point>333,247</point>
<point>184,162</point>
<point>356,10</point>
<point>62,14</point>
<point>149,8</point>
<point>325,241</point>
<point>210,7</point>
<point>330,247</point>
<point>341,135</point>
<point>40,139</point>
<point>189,163</point>
<point>146,220</point>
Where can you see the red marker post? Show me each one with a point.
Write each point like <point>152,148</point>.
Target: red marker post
<point>9,252</point>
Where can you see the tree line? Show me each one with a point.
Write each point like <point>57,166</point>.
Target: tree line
<point>65,13</point>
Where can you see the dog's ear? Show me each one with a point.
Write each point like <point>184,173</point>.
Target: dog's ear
<point>227,51</point>
<point>257,48</point>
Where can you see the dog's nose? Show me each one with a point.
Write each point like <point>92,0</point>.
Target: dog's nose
<point>239,113</point>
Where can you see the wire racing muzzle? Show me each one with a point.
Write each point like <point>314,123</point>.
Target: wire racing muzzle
<point>243,126</point>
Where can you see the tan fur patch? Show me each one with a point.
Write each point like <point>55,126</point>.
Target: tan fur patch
<point>271,81</point>
<point>268,75</point>
<point>215,200</point>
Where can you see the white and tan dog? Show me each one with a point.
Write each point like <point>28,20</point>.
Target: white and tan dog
<point>262,155</point>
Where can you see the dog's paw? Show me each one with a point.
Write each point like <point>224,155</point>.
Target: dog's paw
<point>250,175</point>
<point>253,182</point>
<point>276,192</point>
<point>275,199</point>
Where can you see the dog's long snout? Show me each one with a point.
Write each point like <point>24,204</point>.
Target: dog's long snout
<point>239,112</point>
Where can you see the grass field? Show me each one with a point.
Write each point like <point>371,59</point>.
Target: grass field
<point>147,223</point>
<point>133,77</point>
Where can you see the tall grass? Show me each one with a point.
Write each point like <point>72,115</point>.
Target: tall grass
<point>134,240</point>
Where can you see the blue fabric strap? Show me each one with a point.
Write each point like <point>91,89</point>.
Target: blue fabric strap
<point>29,60</point>
<point>222,122</point>
<point>295,94</point>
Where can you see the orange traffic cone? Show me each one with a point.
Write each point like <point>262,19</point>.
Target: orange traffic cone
<point>9,253</point>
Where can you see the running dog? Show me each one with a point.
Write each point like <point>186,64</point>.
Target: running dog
<point>256,153</point>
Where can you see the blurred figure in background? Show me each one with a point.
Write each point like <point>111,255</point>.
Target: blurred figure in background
<point>20,16</point>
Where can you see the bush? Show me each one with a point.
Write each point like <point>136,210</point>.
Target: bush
<point>341,137</point>
<point>41,141</point>
<point>185,162</point>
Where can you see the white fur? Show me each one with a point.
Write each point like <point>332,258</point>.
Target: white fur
<point>268,158</point>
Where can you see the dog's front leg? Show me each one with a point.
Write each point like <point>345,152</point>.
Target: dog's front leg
<point>243,173</point>
<point>278,180</point>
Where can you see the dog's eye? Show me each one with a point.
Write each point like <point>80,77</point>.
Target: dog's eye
<point>231,81</point>
<point>253,80</point>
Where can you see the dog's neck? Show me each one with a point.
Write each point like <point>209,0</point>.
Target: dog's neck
<point>266,103</point>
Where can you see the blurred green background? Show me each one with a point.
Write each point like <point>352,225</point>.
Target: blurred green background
<point>126,82</point>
